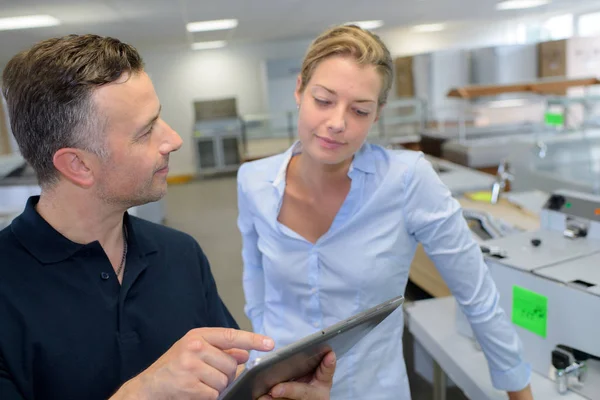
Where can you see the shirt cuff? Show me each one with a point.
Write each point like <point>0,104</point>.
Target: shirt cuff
<point>512,380</point>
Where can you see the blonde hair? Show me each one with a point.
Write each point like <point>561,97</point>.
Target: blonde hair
<point>350,40</point>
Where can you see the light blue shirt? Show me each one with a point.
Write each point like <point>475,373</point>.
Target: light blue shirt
<point>294,288</point>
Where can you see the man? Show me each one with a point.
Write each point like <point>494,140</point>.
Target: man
<point>95,303</point>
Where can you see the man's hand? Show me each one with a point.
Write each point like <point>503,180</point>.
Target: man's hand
<point>240,369</point>
<point>524,394</point>
<point>199,366</point>
<point>316,387</point>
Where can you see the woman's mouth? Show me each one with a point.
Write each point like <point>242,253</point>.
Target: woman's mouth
<point>329,144</point>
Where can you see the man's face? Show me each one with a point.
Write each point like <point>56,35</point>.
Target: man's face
<point>138,142</point>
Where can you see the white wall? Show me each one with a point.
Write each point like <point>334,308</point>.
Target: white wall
<point>182,76</point>
<point>457,35</point>
<point>469,35</point>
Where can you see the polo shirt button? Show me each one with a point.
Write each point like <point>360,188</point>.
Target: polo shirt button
<point>105,275</point>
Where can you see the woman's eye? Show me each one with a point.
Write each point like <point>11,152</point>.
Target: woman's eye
<point>322,102</point>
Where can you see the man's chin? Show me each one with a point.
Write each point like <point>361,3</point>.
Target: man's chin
<point>151,198</point>
<point>142,200</point>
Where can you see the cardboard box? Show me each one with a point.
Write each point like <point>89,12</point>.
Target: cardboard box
<point>577,57</point>
<point>552,59</point>
<point>405,86</point>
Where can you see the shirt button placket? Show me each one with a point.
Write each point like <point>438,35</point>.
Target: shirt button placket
<point>313,282</point>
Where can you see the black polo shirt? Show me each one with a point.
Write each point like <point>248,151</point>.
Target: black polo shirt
<point>69,330</point>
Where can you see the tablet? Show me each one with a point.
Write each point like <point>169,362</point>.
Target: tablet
<point>304,356</point>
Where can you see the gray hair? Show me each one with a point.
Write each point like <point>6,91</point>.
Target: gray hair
<point>48,90</point>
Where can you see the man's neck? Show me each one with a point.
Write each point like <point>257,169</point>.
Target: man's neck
<point>82,219</point>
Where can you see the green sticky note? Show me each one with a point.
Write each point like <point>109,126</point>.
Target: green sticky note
<point>554,119</point>
<point>481,196</point>
<point>530,310</point>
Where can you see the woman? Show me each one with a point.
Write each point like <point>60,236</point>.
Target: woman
<point>330,227</point>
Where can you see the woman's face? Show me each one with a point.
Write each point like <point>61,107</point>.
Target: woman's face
<point>337,109</point>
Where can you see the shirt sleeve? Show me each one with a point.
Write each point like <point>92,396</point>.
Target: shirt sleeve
<point>8,389</point>
<point>253,275</point>
<point>435,219</point>
<point>219,315</point>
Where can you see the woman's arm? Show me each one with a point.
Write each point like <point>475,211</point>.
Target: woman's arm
<point>435,219</point>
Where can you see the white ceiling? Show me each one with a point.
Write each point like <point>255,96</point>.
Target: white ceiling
<point>162,22</point>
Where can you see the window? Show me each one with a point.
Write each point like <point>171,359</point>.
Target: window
<point>589,24</point>
<point>558,27</point>
<point>521,34</point>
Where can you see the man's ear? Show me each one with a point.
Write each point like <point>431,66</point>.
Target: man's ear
<point>75,166</point>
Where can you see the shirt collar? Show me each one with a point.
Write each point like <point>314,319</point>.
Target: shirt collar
<point>363,161</point>
<point>295,149</point>
<point>48,246</point>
